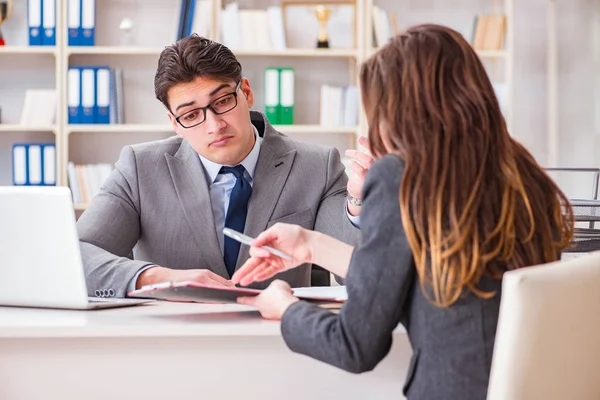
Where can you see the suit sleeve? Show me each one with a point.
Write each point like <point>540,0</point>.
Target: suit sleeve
<point>331,216</point>
<point>379,279</point>
<point>109,229</point>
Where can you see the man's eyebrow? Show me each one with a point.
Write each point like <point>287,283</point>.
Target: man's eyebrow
<point>189,103</point>
<point>215,91</point>
<point>221,86</point>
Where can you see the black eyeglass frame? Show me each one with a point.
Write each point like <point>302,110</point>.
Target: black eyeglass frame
<point>210,106</point>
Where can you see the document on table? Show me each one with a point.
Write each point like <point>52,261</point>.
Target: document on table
<point>334,293</point>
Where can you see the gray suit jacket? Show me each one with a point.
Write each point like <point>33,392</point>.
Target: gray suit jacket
<point>452,348</point>
<point>157,203</point>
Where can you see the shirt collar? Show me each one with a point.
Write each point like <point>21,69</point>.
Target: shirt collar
<point>249,162</point>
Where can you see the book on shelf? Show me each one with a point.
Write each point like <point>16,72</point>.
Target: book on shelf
<point>85,180</point>
<point>195,16</point>
<point>253,29</point>
<point>488,32</point>
<point>384,26</point>
<point>34,164</point>
<point>39,107</point>
<point>95,95</point>
<point>339,105</point>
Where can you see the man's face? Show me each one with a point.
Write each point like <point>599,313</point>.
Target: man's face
<point>226,138</point>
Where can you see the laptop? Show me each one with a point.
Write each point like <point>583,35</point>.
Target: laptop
<point>40,259</point>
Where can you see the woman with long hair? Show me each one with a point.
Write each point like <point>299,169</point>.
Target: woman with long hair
<point>451,202</point>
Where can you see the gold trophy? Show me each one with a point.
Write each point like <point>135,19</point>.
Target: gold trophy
<point>5,9</point>
<point>323,14</point>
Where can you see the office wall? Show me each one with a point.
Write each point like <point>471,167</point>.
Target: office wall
<point>578,74</point>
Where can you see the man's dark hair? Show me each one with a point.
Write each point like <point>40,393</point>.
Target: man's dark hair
<point>191,57</point>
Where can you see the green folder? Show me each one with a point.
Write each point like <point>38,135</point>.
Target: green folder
<point>286,95</point>
<point>272,95</point>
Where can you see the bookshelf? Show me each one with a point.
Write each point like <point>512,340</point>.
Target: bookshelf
<point>145,117</point>
<point>461,17</point>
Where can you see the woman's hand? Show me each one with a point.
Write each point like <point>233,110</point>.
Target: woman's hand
<point>290,239</point>
<point>361,162</point>
<point>273,301</point>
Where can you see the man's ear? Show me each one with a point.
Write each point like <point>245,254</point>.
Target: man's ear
<point>247,90</point>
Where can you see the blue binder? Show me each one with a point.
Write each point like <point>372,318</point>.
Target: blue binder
<point>75,108</point>
<point>34,164</point>
<point>74,29</point>
<point>102,112</point>
<point>48,164</point>
<point>49,22</point>
<point>88,95</point>
<point>88,22</point>
<point>183,12</point>
<point>19,164</point>
<point>34,22</point>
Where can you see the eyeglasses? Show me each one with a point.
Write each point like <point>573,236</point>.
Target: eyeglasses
<point>219,106</point>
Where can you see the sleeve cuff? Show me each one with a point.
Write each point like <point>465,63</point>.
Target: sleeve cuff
<point>354,220</point>
<point>133,281</point>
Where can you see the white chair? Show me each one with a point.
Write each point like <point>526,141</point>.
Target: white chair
<point>548,338</point>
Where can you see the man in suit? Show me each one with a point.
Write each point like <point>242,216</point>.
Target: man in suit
<point>167,202</point>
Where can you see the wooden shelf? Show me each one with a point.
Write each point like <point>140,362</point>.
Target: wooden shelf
<point>151,51</point>
<point>26,128</point>
<point>491,53</point>
<point>125,128</point>
<point>148,128</point>
<point>328,53</point>
<point>315,129</point>
<point>33,50</point>
<point>114,50</point>
<point>480,53</point>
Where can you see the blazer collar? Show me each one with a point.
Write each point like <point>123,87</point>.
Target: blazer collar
<point>272,170</point>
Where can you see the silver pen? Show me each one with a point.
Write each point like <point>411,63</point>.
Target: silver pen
<point>240,237</point>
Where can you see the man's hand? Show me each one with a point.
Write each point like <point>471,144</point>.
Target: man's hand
<point>161,274</point>
<point>361,162</point>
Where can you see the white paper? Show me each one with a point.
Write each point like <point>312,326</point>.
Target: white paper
<point>337,293</point>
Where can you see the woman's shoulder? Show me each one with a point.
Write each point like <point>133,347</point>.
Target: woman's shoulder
<point>383,180</point>
<point>386,170</point>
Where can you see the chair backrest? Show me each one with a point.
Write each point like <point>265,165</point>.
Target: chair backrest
<point>548,338</point>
